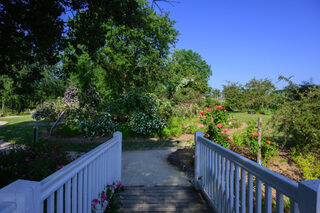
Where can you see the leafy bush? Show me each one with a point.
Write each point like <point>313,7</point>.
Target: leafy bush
<point>309,164</point>
<point>100,125</point>
<point>146,124</point>
<point>299,120</point>
<point>216,120</point>
<point>186,110</point>
<point>32,164</point>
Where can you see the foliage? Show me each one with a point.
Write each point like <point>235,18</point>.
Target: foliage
<point>216,120</point>
<point>109,198</point>
<point>132,56</point>
<point>298,120</point>
<point>101,124</point>
<point>256,94</point>
<point>309,164</point>
<point>188,76</point>
<point>186,110</point>
<point>146,124</point>
<point>30,163</point>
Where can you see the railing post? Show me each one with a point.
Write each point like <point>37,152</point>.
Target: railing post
<point>196,160</point>
<point>118,163</point>
<point>309,196</point>
<point>25,194</point>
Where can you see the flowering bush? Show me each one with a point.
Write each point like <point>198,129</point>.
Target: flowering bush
<point>32,164</point>
<point>216,120</point>
<point>268,147</point>
<point>100,125</point>
<point>146,124</point>
<point>109,198</point>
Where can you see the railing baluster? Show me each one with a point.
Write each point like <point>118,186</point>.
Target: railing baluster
<point>227,202</point>
<point>243,190</point>
<point>85,189</point>
<point>237,197</point>
<point>50,204</point>
<point>268,199</point>
<point>60,200</point>
<point>74,194</point>
<point>231,185</point>
<point>293,206</point>
<point>223,180</point>
<point>258,195</point>
<point>250,193</point>
<point>80,191</point>
<point>279,202</point>
<point>205,165</point>
<point>67,194</point>
<point>215,190</point>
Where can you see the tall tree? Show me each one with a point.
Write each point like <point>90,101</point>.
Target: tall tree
<point>187,72</point>
<point>133,56</point>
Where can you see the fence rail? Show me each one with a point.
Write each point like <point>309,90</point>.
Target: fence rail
<point>233,183</point>
<point>72,188</point>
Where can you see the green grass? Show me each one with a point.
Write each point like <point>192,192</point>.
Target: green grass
<point>245,117</point>
<point>19,129</point>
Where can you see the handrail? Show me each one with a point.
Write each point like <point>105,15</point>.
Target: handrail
<point>54,181</point>
<point>276,180</point>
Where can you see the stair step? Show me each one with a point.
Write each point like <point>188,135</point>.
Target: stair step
<point>162,199</point>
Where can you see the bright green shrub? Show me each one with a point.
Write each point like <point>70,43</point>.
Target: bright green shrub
<point>309,164</point>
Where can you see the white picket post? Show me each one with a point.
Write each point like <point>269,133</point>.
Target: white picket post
<point>25,194</point>
<point>196,159</point>
<point>118,135</point>
<point>309,196</point>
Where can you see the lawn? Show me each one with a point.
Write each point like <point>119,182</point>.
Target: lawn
<point>19,129</point>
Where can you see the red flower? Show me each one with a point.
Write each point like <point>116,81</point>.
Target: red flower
<point>219,107</point>
<point>202,112</point>
<point>209,109</point>
<point>230,138</point>
<point>225,110</point>
<point>225,130</point>
<point>204,117</point>
<point>219,125</point>
<point>255,134</point>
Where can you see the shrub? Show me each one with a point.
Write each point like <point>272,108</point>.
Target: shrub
<point>309,164</point>
<point>216,120</point>
<point>146,124</point>
<point>32,164</point>
<point>299,120</point>
<point>100,125</point>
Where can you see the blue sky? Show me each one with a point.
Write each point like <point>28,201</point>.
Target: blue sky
<point>242,39</point>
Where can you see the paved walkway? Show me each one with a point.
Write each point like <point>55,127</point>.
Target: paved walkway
<point>150,168</point>
<point>153,185</point>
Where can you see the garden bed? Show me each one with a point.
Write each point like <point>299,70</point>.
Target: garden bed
<point>282,164</point>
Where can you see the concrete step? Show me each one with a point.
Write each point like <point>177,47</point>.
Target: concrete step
<point>162,199</point>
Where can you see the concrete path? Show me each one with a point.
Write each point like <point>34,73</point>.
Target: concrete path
<point>150,167</point>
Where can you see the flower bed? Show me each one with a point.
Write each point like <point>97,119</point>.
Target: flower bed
<point>31,164</point>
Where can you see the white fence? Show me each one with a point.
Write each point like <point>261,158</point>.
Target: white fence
<point>233,183</point>
<point>70,189</point>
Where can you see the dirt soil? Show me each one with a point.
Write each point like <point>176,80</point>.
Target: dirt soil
<point>282,164</point>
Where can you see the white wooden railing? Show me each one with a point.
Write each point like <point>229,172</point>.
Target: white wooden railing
<point>70,189</point>
<point>233,183</point>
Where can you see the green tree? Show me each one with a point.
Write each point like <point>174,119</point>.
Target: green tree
<point>132,57</point>
<point>258,93</point>
<point>233,96</point>
<point>187,75</point>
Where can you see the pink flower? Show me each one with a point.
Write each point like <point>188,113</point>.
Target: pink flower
<point>204,117</point>
<point>15,173</point>
<point>230,138</point>
<point>23,175</point>
<point>219,107</point>
<point>104,197</point>
<point>225,130</point>
<point>94,202</point>
<point>255,134</point>
<point>314,134</point>
<point>1,166</point>
<point>209,109</point>
<point>219,125</point>
<point>27,159</point>
<point>222,132</point>
<point>225,110</point>
<point>202,112</point>
<point>60,166</point>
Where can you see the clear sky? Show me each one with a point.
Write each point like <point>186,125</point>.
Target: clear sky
<point>242,39</point>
